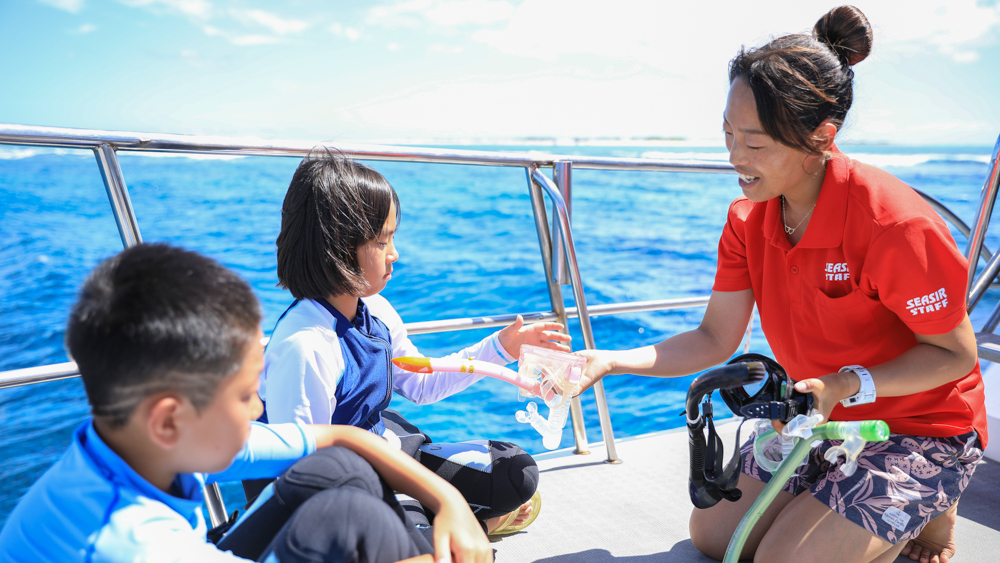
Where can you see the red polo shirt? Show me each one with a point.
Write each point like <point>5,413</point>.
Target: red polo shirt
<point>875,265</point>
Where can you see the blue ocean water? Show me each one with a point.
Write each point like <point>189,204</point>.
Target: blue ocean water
<point>468,247</point>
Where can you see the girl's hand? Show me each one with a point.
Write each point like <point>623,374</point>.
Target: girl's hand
<point>546,335</point>
<point>458,536</point>
<point>598,365</point>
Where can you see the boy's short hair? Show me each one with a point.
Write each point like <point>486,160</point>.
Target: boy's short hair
<point>159,318</point>
<point>332,206</point>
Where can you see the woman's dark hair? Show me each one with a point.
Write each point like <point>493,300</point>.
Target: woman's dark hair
<point>159,318</point>
<point>333,205</point>
<point>800,81</point>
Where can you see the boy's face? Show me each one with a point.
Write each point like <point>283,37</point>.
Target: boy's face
<point>222,428</point>
<point>376,256</point>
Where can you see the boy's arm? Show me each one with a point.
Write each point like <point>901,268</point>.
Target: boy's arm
<point>456,530</point>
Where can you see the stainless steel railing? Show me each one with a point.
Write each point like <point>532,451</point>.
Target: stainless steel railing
<point>558,253</point>
<point>67,370</point>
<point>987,342</point>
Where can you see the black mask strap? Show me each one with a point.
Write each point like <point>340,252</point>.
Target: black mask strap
<point>726,479</point>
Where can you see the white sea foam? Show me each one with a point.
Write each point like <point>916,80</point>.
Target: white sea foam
<point>905,160</point>
<point>704,156</point>
<point>17,153</point>
<point>874,159</point>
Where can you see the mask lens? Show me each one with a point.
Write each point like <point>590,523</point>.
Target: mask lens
<point>752,389</point>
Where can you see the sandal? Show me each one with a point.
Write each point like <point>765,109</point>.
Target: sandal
<point>508,527</point>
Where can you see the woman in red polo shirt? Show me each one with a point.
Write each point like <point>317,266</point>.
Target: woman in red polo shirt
<point>861,293</point>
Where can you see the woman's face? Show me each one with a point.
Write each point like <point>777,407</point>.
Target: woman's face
<point>767,168</point>
<point>376,256</point>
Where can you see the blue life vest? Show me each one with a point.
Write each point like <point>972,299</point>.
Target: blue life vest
<point>365,387</point>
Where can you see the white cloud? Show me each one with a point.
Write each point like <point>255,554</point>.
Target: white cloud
<point>275,23</point>
<point>201,9</point>
<point>72,6</point>
<point>662,34</point>
<point>414,13</point>
<point>541,104</point>
<point>447,49</point>
<point>246,40</point>
<point>86,28</point>
<point>392,47</point>
<point>460,12</point>
<point>342,31</point>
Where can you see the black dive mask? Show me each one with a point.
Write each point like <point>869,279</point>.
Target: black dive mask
<point>775,399</point>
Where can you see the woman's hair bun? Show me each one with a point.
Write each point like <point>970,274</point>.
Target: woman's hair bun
<point>847,31</point>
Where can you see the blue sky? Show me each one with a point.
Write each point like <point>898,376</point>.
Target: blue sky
<point>472,69</point>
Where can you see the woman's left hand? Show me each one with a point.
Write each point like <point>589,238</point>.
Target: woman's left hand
<point>546,335</point>
<point>827,391</point>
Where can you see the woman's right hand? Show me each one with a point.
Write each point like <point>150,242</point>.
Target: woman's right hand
<point>599,364</point>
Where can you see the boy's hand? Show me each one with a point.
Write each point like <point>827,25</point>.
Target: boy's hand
<point>546,335</point>
<point>458,537</point>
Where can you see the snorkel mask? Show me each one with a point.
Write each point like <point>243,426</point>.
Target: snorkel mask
<point>775,399</point>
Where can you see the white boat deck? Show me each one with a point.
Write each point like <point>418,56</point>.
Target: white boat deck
<point>637,511</point>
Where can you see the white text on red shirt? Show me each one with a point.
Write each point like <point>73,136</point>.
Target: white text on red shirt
<point>927,303</point>
<point>836,271</point>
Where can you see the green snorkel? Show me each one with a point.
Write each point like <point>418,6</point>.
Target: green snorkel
<point>867,430</point>
<point>757,387</point>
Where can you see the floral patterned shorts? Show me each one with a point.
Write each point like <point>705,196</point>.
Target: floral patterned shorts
<point>900,485</point>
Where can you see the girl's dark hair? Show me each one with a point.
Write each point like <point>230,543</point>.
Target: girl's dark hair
<point>333,205</point>
<point>800,81</point>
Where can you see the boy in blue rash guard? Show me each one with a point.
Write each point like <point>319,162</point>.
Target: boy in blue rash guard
<point>168,346</point>
<point>328,359</point>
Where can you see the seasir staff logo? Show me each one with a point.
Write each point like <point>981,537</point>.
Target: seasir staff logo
<point>837,271</point>
<point>927,303</point>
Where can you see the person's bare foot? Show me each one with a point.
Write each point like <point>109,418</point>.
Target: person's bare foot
<point>523,514</point>
<point>936,542</point>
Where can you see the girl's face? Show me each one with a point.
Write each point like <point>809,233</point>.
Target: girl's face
<point>767,168</point>
<point>377,255</point>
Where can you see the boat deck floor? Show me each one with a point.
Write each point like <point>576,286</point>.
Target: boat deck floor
<point>637,511</point>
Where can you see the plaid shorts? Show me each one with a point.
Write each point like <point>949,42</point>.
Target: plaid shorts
<point>900,485</point>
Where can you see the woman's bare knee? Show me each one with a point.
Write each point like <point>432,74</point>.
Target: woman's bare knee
<point>705,534</point>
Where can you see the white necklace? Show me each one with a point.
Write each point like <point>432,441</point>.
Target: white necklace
<point>791,230</point>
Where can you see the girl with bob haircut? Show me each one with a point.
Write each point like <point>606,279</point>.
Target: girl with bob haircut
<point>328,360</point>
<point>861,293</point>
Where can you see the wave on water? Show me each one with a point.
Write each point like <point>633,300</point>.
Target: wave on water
<point>20,153</point>
<point>909,160</point>
<point>706,156</point>
<point>888,160</point>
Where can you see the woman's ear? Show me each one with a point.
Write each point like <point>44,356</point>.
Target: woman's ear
<point>824,136</point>
<point>164,420</point>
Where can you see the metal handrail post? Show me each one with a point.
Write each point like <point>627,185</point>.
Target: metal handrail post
<point>213,501</point>
<point>983,282</point>
<point>581,305</point>
<point>562,172</point>
<point>121,204</point>
<point>986,201</point>
<point>582,445</point>
<point>950,216</point>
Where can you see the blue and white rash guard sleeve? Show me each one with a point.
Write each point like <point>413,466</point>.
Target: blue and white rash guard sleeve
<point>270,451</point>
<point>424,388</point>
